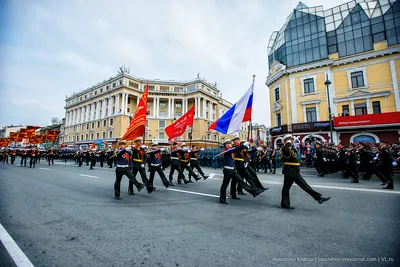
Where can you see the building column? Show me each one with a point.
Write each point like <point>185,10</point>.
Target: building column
<point>304,113</point>
<point>123,103</point>
<point>317,110</point>
<point>79,115</point>
<point>185,105</point>
<point>197,108</point>
<point>169,108</point>
<point>126,104</point>
<point>117,105</point>
<point>293,99</point>
<point>157,106</point>
<point>367,103</point>
<point>138,100</point>
<point>109,106</point>
<point>154,106</point>
<point>204,108</point>
<point>352,107</point>
<point>395,84</point>
<point>88,112</point>
<point>210,111</point>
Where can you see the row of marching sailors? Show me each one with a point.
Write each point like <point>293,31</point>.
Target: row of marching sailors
<point>34,155</point>
<point>92,157</point>
<point>364,159</point>
<point>132,162</point>
<point>238,171</point>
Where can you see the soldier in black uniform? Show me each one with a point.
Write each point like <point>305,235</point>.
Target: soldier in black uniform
<point>320,159</point>
<point>155,166</point>
<point>93,158</point>
<point>79,156</point>
<point>385,165</point>
<point>176,164</point>
<point>50,156</point>
<point>352,164</point>
<point>138,165</point>
<point>185,160</point>
<point>12,155</point>
<point>23,157</point>
<point>101,158</point>
<point>194,163</point>
<point>32,157</point>
<point>291,172</point>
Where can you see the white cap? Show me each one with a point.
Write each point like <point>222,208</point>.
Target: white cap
<point>183,144</point>
<point>154,144</point>
<point>138,139</point>
<point>286,137</point>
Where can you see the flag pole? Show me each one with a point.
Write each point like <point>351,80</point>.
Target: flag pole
<point>190,139</point>
<point>251,124</point>
<point>144,133</point>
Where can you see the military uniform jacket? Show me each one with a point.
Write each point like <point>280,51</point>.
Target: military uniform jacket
<point>240,158</point>
<point>290,159</point>
<point>194,155</point>
<point>138,157</point>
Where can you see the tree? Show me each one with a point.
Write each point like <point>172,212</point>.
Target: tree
<point>55,120</point>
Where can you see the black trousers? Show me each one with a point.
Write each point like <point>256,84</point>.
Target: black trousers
<point>31,162</point>
<point>320,167</point>
<point>23,160</point>
<point>236,179</point>
<point>50,159</point>
<point>175,165</point>
<point>352,171</point>
<point>383,173</point>
<point>274,165</point>
<point>244,174</point>
<point>195,165</point>
<point>256,181</point>
<point>299,180</point>
<point>92,163</point>
<point>185,166</point>
<point>142,171</point>
<point>153,170</point>
<point>12,159</point>
<point>119,173</point>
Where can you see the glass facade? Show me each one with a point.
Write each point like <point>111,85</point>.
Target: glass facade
<point>311,34</point>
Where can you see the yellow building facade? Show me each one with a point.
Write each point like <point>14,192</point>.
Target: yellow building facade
<point>102,113</point>
<point>351,47</point>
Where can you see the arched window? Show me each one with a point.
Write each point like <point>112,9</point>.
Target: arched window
<point>364,138</point>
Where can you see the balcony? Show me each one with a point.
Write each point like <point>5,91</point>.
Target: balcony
<point>368,120</point>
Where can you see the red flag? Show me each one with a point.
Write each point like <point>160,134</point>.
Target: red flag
<point>138,124</point>
<point>93,146</point>
<point>179,126</point>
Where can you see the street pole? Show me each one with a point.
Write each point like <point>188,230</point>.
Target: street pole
<point>327,83</point>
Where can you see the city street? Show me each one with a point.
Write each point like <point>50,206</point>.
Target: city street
<point>63,215</point>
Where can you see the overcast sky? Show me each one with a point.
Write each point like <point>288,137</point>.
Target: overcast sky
<point>52,48</point>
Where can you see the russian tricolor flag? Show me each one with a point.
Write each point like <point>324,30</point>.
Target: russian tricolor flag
<point>231,121</point>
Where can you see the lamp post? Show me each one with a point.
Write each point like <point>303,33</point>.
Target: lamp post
<point>327,83</point>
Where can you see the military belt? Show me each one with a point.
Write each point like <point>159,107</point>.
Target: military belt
<point>174,158</point>
<point>152,164</point>
<point>137,160</point>
<point>239,159</point>
<point>194,159</point>
<point>123,166</point>
<point>292,163</point>
<point>229,168</point>
<point>183,160</point>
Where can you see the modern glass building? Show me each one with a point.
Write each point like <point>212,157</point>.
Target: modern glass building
<point>311,33</point>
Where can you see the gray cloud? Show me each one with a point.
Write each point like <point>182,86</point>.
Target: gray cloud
<point>52,48</point>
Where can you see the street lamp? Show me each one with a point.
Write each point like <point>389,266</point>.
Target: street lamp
<point>327,83</point>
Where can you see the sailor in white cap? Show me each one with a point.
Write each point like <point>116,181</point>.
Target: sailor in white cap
<point>291,172</point>
<point>138,165</point>
<point>155,166</point>
<point>176,164</point>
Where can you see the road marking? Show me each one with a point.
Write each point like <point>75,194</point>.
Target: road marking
<point>44,169</point>
<point>91,176</point>
<point>13,249</point>
<point>193,193</point>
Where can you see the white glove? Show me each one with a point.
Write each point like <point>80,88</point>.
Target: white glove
<point>142,165</point>
<point>375,158</point>
<point>394,163</point>
<point>358,162</point>
<point>162,149</point>
<point>246,144</point>
<point>179,148</point>
<point>143,146</point>
<point>324,159</point>
<point>202,149</point>
<point>259,148</point>
<point>128,149</point>
<point>245,165</point>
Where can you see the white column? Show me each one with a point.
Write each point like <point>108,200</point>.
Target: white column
<point>317,110</point>
<point>185,105</point>
<point>88,112</point>
<point>158,106</point>
<point>78,117</point>
<point>103,110</point>
<point>74,117</point>
<point>126,104</point>
<point>82,114</point>
<point>293,99</point>
<point>395,84</point>
<point>304,113</point>
<point>93,110</point>
<point>169,108</point>
<point>154,106</point>
<point>352,107</point>
<point>197,108</point>
<point>117,105</point>
<point>67,118</point>
<point>210,110</point>
<point>367,103</point>
<point>138,99</point>
<point>123,104</point>
<point>204,108</point>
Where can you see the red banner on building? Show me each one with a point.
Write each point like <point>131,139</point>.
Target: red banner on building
<point>179,126</point>
<point>367,119</point>
<point>14,137</point>
<point>23,134</point>
<point>138,124</point>
<point>51,135</point>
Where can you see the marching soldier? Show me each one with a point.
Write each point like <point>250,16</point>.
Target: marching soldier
<point>155,166</point>
<point>32,157</point>
<point>185,159</point>
<point>93,158</point>
<point>138,165</point>
<point>5,156</point>
<point>23,157</point>
<point>12,155</point>
<point>291,172</point>
<point>111,155</point>
<point>123,159</point>
<point>385,165</point>
<point>176,165</point>
<point>230,173</point>
<point>194,163</point>
<point>352,164</point>
<point>101,158</point>
<point>320,159</point>
<point>50,156</point>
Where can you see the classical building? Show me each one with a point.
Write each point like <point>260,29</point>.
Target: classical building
<point>103,111</point>
<point>346,57</point>
<point>6,130</point>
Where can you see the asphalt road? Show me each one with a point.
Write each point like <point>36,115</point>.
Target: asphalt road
<point>63,215</point>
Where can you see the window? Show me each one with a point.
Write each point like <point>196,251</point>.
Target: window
<point>311,114</point>
<point>277,95</point>
<point>161,135</point>
<point>82,127</point>
<point>87,137</point>
<point>208,136</point>
<point>161,124</point>
<point>345,110</point>
<point>104,135</point>
<point>178,114</point>
<point>87,126</point>
<point>215,137</point>
<point>110,134</point>
<point>147,123</point>
<point>360,109</point>
<point>111,122</point>
<point>129,100</point>
<point>148,104</point>
<point>178,105</point>
<point>163,103</point>
<point>357,79</point>
<point>104,123</point>
<point>91,136</point>
<point>81,137</point>
<point>278,120</point>
<point>113,112</point>
<point>376,106</point>
<point>97,135</point>
<point>92,125</point>
<point>101,90</point>
<point>163,114</point>
<point>309,86</point>
<point>128,110</point>
<point>206,114</point>
<point>98,124</point>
